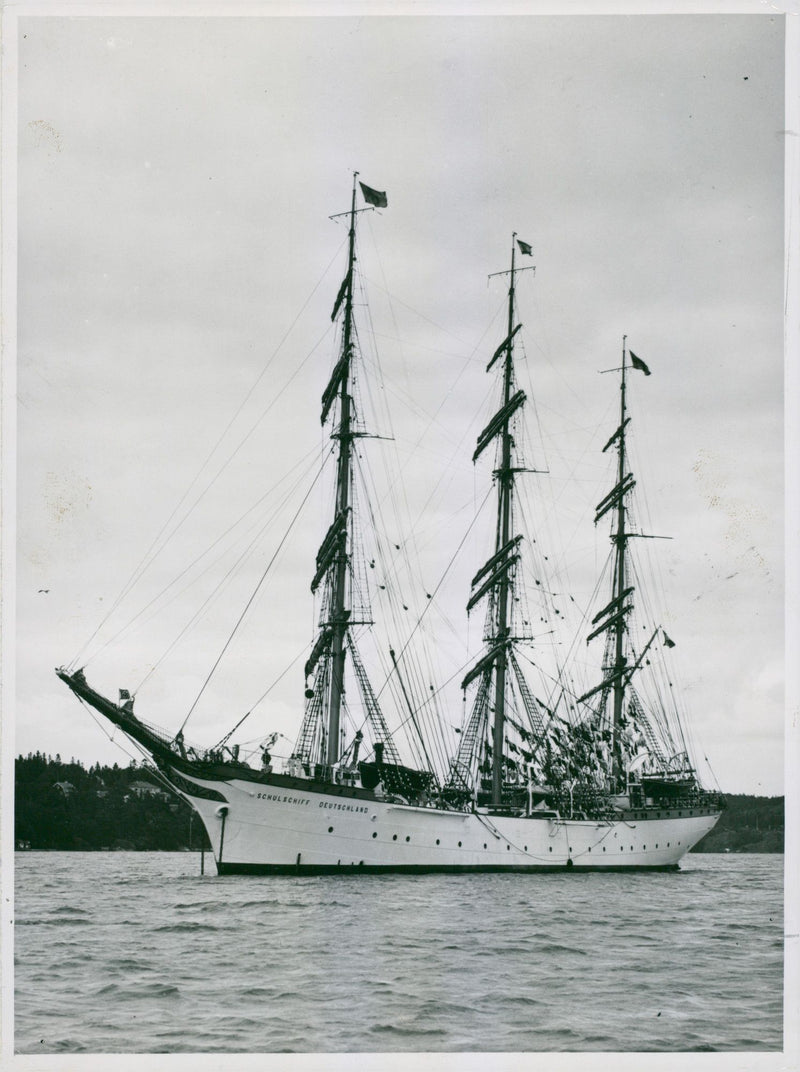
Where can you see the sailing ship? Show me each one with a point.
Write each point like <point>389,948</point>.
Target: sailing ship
<point>597,781</point>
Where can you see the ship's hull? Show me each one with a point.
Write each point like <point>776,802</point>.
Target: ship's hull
<point>279,828</point>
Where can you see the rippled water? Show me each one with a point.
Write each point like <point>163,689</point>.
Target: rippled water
<point>137,953</point>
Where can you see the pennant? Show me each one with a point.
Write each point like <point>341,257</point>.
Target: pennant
<point>667,642</point>
<point>524,248</point>
<point>373,197</point>
<point>638,363</point>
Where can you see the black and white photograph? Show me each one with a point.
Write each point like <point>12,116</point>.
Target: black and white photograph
<point>398,419</point>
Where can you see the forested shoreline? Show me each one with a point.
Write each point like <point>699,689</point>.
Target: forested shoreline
<point>66,806</point>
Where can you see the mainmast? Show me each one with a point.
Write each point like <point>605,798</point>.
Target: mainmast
<point>320,739</point>
<point>495,578</point>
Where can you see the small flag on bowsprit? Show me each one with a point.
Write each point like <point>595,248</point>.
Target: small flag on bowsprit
<point>667,642</point>
<point>524,248</point>
<point>638,363</point>
<point>374,197</point>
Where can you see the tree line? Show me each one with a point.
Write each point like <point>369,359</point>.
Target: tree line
<point>748,824</point>
<point>64,805</point>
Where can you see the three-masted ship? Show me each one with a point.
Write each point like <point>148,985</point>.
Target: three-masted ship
<point>597,781</point>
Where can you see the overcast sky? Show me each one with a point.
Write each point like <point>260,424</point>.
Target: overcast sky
<point>175,182</point>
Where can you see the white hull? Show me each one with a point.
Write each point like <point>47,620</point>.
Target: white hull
<point>272,828</point>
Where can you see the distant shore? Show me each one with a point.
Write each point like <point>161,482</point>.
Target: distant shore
<point>748,824</point>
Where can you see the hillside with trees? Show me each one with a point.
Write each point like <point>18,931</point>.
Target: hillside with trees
<point>67,806</point>
<point>62,805</point>
<point>748,824</point>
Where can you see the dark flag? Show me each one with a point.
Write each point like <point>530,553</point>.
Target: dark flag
<point>524,248</point>
<point>373,197</point>
<point>667,642</point>
<point>638,363</point>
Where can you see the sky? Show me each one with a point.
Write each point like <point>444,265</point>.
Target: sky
<point>177,268</point>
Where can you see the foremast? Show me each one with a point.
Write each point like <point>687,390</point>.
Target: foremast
<point>619,540</point>
<point>321,738</point>
<point>339,611</point>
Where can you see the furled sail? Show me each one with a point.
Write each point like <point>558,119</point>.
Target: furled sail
<point>337,376</point>
<point>497,557</point>
<point>612,499</point>
<point>483,664</point>
<point>492,580</point>
<point>341,295</point>
<point>330,548</point>
<point>498,423</point>
<point>503,346</point>
<point>617,434</point>
<point>320,648</point>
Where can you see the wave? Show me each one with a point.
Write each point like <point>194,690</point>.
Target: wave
<point>50,922</point>
<point>411,1029</point>
<point>138,990</point>
<point>191,926</point>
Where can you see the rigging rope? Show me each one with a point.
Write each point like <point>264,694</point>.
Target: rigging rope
<point>154,550</point>
<point>116,636</point>
<point>263,696</point>
<point>251,599</point>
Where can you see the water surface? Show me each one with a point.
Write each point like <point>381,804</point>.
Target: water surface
<point>137,953</point>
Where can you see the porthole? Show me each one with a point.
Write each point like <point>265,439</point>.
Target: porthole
<point>508,847</point>
<point>604,848</point>
<point>631,848</point>
<point>484,845</point>
<point>622,848</point>
<point>551,848</point>
<point>437,841</point>
<point>590,848</point>
<point>667,844</point>
<point>374,833</point>
<point>394,837</point>
<point>330,829</point>
<point>459,844</point>
<point>644,848</point>
<point>408,839</point>
<point>526,848</point>
<point>656,844</point>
